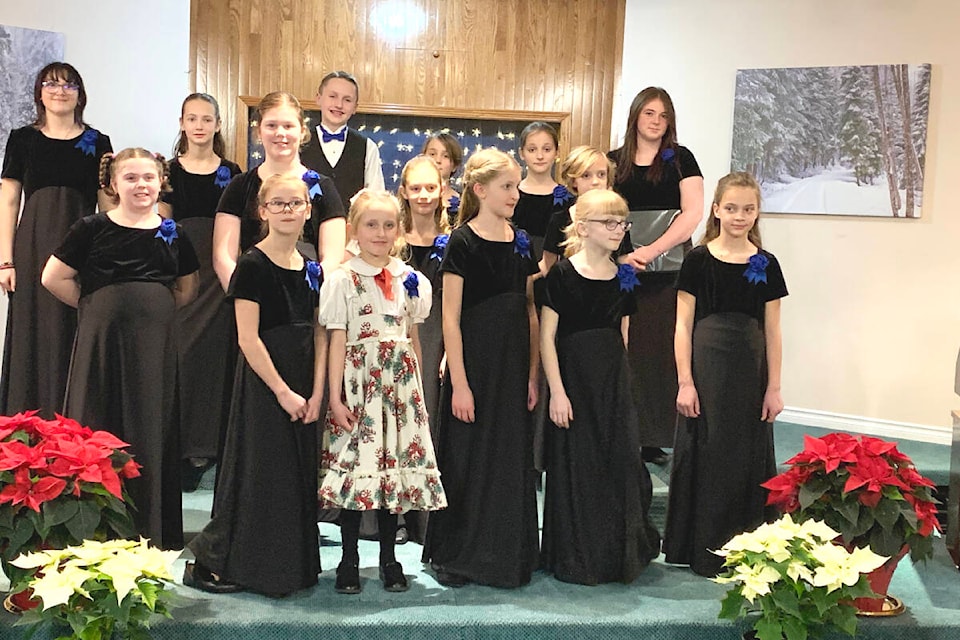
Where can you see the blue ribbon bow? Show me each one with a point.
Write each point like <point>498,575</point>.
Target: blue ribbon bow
<point>88,142</point>
<point>313,274</point>
<point>411,283</point>
<point>439,247</point>
<point>561,196</point>
<point>627,277</point>
<point>167,231</point>
<point>328,137</point>
<point>757,271</point>
<point>454,205</point>
<point>667,154</point>
<point>222,177</point>
<point>312,178</point>
<point>521,243</point>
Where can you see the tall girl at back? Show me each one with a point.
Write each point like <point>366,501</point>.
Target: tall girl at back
<point>51,165</point>
<point>444,149</point>
<point>127,271</point>
<point>595,524</point>
<point>204,328</point>
<point>377,451</point>
<point>728,350</point>
<point>488,534</point>
<point>263,535</point>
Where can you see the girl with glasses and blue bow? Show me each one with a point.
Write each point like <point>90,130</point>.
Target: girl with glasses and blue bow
<point>728,351</point>
<point>596,527</point>
<point>51,166</point>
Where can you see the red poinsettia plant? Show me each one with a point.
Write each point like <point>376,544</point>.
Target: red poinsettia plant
<point>862,487</point>
<point>60,483</point>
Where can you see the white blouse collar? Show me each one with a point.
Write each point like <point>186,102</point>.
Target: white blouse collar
<point>396,267</point>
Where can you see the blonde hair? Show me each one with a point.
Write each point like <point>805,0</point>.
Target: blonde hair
<point>579,161</point>
<point>599,202</point>
<point>735,179</point>
<point>440,218</point>
<point>273,182</point>
<point>483,167</point>
<point>110,161</point>
<point>276,99</point>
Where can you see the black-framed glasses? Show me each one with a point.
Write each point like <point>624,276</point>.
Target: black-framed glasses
<point>611,224</point>
<point>53,85</point>
<point>279,206</point>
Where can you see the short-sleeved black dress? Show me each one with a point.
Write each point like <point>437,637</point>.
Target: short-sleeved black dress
<point>598,494</point>
<point>722,456</point>
<point>206,336</point>
<point>60,180</point>
<point>240,199</point>
<point>123,367</point>
<point>263,534</point>
<point>650,348</point>
<point>488,533</point>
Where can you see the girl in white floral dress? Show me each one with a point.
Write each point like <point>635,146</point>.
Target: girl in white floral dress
<point>377,452</point>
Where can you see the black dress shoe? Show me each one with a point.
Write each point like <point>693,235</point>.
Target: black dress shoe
<point>453,580</point>
<point>655,455</point>
<point>393,579</point>
<point>402,536</point>
<point>348,578</point>
<point>197,576</point>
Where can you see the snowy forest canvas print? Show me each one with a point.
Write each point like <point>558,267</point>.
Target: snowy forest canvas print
<point>834,140</point>
<point>23,52</point>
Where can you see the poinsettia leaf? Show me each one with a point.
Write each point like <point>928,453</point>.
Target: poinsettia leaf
<point>921,548</point>
<point>885,542</point>
<point>887,512</point>
<point>6,519</point>
<point>150,591</point>
<point>23,530</point>
<point>861,589</point>
<point>84,525</point>
<point>768,629</point>
<point>850,510</point>
<point>865,522</point>
<point>845,619</point>
<point>731,607</point>
<point>60,510</point>
<point>787,600</point>
<point>794,629</point>
<point>809,494</point>
<point>120,523</point>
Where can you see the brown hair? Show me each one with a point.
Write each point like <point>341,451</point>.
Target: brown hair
<point>440,218</point>
<point>600,202</point>
<point>276,99</point>
<point>450,144</point>
<point>181,144</point>
<point>579,161</point>
<point>61,72</point>
<point>482,168</point>
<point>343,75</point>
<point>537,127</point>
<point>735,179</point>
<point>109,163</point>
<point>625,159</point>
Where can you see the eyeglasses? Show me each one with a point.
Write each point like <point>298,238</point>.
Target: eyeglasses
<point>67,87</point>
<point>279,206</point>
<point>611,224</point>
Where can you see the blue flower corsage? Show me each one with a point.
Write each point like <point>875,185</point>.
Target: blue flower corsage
<point>521,243</point>
<point>667,154</point>
<point>627,277</point>
<point>167,231</point>
<point>454,206</point>
<point>561,196</point>
<point>313,274</point>
<point>222,177</point>
<point>88,142</point>
<point>757,271</point>
<point>312,178</point>
<point>439,247</point>
<point>412,284</point>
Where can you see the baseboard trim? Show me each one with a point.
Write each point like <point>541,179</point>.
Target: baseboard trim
<point>887,429</point>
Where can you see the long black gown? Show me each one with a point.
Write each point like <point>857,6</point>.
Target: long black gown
<point>60,180</point>
<point>721,457</point>
<point>263,534</point>
<point>598,494</point>
<point>488,533</point>
<point>122,373</point>
<point>205,332</point>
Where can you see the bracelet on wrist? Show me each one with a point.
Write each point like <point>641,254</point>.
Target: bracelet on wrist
<point>6,265</point>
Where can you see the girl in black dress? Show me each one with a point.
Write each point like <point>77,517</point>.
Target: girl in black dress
<point>206,344</point>
<point>488,533</point>
<point>127,271</point>
<point>263,535</point>
<point>595,524</point>
<point>728,348</point>
<point>663,187</point>
<point>53,166</point>
<point>444,149</point>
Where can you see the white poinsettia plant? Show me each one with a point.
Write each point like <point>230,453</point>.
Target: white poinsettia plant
<point>798,580</point>
<point>97,588</point>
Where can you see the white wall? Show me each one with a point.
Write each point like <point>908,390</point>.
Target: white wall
<point>872,324</point>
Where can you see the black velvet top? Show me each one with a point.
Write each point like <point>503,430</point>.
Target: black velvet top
<point>196,195</point>
<point>533,212</point>
<point>488,268</point>
<point>723,286</point>
<point>105,253</point>
<point>559,221</point>
<point>584,304</point>
<point>36,161</point>
<point>240,199</point>
<point>643,195</point>
<point>284,295</point>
